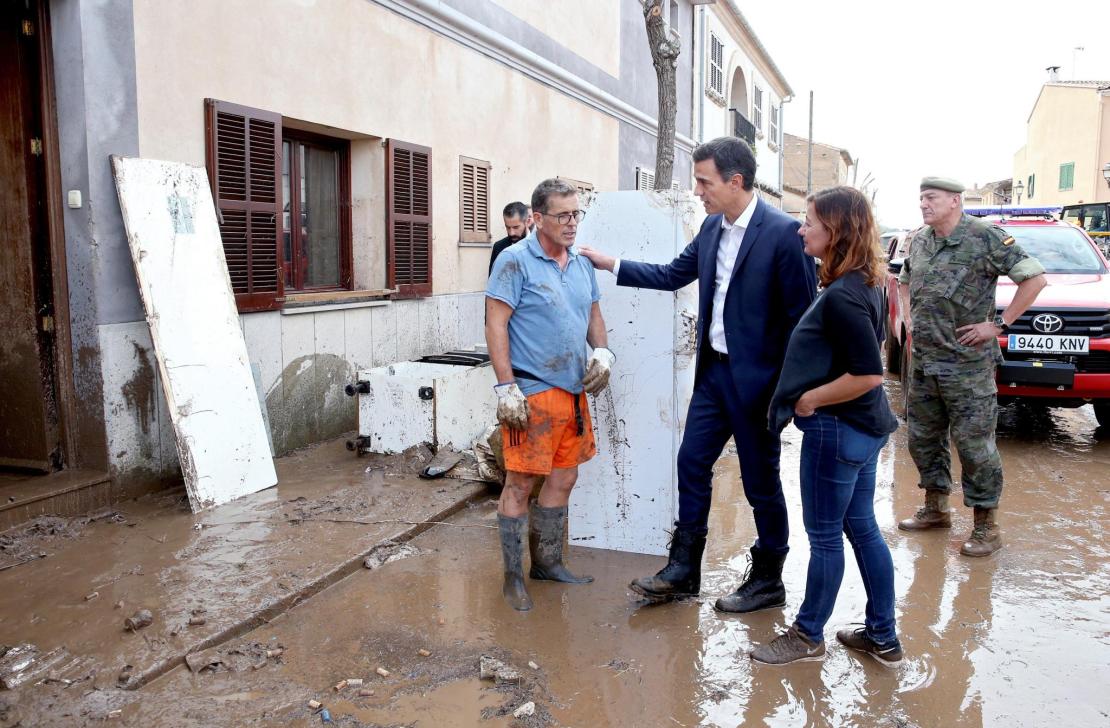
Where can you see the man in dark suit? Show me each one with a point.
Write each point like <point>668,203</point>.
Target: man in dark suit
<point>755,282</point>
<point>518,223</point>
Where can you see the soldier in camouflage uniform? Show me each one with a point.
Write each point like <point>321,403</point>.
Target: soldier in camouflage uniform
<point>952,270</point>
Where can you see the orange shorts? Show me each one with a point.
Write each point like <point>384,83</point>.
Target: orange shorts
<point>552,439</point>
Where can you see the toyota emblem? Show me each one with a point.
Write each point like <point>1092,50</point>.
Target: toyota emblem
<point>1047,323</point>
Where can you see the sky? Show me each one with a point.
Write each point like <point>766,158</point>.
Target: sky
<point>921,89</point>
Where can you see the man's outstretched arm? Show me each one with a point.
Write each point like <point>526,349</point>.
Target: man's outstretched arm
<point>680,272</point>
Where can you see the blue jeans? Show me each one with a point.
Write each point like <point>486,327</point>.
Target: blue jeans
<point>838,495</point>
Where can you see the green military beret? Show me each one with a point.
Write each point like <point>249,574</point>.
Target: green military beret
<point>941,183</point>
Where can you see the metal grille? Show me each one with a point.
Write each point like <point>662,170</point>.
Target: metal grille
<point>1093,322</point>
<point>742,127</point>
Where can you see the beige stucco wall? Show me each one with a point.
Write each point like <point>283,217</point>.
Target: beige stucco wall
<point>794,203</point>
<point>1065,127</point>
<point>355,66</point>
<point>590,28</point>
<point>1099,181</point>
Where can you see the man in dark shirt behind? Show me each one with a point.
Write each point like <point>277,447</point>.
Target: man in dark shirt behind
<point>517,220</point>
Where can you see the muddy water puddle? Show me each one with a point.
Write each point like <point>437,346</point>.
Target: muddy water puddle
<point>1018,639</point>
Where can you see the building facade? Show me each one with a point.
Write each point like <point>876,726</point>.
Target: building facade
<point>832,166</point>
<point>741,92</point>
<point>989,194</point>
<point>1067,145</point>
<point>360,152</point>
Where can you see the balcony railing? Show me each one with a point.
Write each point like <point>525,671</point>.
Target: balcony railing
<point>742,127</point>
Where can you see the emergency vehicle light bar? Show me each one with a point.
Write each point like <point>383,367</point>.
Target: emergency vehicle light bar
<point>1013,211</point>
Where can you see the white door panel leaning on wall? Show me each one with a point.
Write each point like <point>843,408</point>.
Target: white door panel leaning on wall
<point>202,358</point>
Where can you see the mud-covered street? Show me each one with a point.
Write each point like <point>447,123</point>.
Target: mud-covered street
<point>1018,639</point>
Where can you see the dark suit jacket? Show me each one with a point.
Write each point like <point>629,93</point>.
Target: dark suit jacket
<point>497,248</point>
<point>773,283</point>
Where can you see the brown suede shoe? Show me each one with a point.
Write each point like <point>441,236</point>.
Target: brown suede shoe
<point>790,646</point>
<point>934,514</point>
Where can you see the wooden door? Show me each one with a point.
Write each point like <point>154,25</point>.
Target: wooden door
<point>29,433</point>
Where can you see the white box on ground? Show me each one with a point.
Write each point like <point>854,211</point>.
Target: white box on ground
<point>411,402</point>
<point>626,497</point>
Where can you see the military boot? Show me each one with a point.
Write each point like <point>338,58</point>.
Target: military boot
<point>681,577</point>
<point>547,531</point>
<point>762,587</point>
<point>934,514</point>
<point>512,551</point>
<point>986,536</point>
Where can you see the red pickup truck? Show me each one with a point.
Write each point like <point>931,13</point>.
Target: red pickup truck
<point>1058,352</point>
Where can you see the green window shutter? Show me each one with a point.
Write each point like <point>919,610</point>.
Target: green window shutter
<point>1067,176</point>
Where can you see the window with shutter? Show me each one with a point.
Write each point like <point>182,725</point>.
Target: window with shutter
<point>316,229</point>
<point>757,109</point>
<point>645,180</point>
<point>244,168</point>
<point>473,200</point>
<point>1067,176</point>
<point>715,79</point>
<point>408,218</point>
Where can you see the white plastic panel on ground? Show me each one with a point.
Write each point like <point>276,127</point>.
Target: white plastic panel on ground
<point>626,498</point>
<point>465,406</point>
<point>393,414</point>
<point>202,357</point>
<point>410,403</point>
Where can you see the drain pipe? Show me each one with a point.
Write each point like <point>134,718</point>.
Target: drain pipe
<point>699,85</point>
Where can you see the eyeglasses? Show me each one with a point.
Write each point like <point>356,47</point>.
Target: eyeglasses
<point>564,218</point>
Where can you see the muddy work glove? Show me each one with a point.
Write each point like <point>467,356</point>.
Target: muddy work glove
<point>597,370</point>
<point>512,406</point>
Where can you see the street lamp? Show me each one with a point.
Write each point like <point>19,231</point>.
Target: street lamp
<point>1018,189</point>
<point>1106,173</point>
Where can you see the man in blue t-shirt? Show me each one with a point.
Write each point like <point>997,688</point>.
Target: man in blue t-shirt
<point>541,311</point>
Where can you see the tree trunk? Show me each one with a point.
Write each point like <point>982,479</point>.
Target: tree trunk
<point>664,56</point>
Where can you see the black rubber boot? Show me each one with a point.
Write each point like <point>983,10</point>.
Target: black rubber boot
<point>681,577</point>
<point>762,587</point>
<point>546,533</point>
<point>512,551</point>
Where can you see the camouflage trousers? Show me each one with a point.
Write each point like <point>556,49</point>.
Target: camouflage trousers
<point>965,404</point>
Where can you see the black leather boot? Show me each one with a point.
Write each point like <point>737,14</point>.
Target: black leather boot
<point>512,551</point>
<point>681,577</point>
<point>762,587</point>
<point>547,531</point>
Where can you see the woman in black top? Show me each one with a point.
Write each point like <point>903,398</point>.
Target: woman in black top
<point>831,385</point>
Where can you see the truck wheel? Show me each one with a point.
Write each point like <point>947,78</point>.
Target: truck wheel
<point>893,351</point>
<point>1102,413</point>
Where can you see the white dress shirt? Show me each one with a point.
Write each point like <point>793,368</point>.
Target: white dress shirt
<point>732,236</point>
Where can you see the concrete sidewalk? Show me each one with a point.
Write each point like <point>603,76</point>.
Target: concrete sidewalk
<point>234,567</point>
